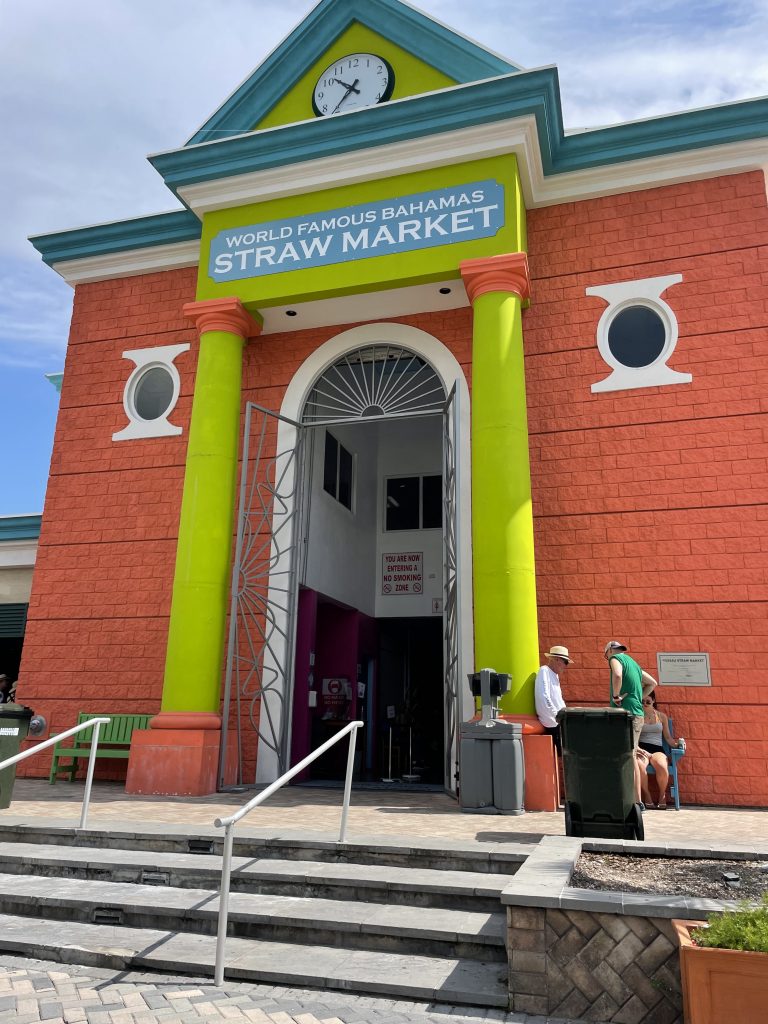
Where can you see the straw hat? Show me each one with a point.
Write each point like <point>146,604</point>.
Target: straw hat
<point>559,652</point>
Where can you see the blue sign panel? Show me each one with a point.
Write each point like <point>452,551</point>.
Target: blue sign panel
<point>461,213</point>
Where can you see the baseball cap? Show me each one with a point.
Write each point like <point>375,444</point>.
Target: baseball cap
<point>614,647</point>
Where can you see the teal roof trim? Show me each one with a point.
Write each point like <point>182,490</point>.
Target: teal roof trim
<point>658,136</point>
<point>534,93</point>
<point>454,55</point>
<point>19,527</point>
<point>465,106</point>
<point>119,236</point>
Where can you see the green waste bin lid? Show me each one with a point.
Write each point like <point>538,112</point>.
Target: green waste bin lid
<point>15,711</point>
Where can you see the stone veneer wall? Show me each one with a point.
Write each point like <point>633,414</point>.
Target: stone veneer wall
<point>599,967</point>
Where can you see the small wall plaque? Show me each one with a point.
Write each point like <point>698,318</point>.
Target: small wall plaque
<point>683,669</point>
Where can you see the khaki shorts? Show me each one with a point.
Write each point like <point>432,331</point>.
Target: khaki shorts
<point>638,721</point>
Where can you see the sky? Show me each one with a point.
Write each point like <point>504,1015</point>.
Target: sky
<point>88,88</point>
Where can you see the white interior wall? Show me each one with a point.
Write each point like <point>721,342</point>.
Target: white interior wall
<point>345,549</point>
<point>341,548</point>
<point>410,448</point>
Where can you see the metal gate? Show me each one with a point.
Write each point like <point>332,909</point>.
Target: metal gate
<point>452,590</point>
<point>258,682</point>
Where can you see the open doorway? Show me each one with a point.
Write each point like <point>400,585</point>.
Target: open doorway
<point>409,700</point>
<point>370,627</point>
<point>323,524</point>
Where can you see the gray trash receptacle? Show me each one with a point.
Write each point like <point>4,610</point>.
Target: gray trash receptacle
<point>492,769</point>
<point>14,726</point>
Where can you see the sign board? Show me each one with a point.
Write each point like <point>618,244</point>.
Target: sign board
<point>459,213</point>
<point>337,694</point>
<point>402,572</point>
<point>683,669</point>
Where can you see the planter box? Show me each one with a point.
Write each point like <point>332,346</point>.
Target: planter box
<point>721,985</point>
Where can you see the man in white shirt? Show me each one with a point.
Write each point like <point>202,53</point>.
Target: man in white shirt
<point>547,693</point>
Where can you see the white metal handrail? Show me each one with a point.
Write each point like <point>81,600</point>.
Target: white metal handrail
<point>228,824</point>
<point>96,724</point>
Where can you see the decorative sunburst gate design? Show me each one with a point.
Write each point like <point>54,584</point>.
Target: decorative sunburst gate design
<point>262,620</point>
<point>378,381</point>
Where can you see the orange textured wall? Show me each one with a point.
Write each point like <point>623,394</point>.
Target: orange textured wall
<point>98,618</point>
<point>651,506</point>
<point>98,614</point>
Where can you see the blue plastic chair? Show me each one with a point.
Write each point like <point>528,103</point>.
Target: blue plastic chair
<point>673,756</point>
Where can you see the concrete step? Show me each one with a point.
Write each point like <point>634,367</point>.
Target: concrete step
<point>370,883</point>
<point>429,931</point>
<point>436,854</point>
<point>441,979</point>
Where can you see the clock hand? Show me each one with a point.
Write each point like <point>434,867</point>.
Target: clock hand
<point>349,88</point>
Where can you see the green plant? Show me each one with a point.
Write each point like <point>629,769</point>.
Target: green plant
<point>745,928</point>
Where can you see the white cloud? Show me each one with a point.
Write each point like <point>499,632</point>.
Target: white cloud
<point>88,88</point>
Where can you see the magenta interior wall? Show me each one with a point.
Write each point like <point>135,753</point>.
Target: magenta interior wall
<point>306,630</point>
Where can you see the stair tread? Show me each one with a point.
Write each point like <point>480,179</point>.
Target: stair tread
<point>511,849</point>
<point>361,875</point>
<point>302,912</point>
<point>447,979</point>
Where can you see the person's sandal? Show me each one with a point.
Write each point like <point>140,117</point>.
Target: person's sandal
<point>661,807</point>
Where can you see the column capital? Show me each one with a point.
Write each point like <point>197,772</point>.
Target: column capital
<point>228,315</point>
<point>507,273</point>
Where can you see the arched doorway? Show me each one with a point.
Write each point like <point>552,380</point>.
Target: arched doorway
<point>320,525</point>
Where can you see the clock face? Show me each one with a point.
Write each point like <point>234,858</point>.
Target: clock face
<point>356,81</point>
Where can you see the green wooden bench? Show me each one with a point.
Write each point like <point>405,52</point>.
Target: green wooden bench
<point>114,741</point>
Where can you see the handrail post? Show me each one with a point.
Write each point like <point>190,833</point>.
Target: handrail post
<point>221,935</point>
<point>89,775</point>
<point>229,824</point>
<point>348,783</point>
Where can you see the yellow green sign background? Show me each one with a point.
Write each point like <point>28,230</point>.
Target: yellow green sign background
<point>373,273</point>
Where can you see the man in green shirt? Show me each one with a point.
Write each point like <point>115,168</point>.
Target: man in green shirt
<point>629,684</point>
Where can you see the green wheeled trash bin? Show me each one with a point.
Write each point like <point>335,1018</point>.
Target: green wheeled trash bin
<point>14,726</point>
<point>599,770</point>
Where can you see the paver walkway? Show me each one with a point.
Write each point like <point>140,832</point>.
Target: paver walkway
<point>33,990</point>
<point>413,815</point>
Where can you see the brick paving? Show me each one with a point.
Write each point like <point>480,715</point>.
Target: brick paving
<point>388,812</point>
<point>35,990</point>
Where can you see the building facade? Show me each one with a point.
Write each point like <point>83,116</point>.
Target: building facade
<point>416,383</point>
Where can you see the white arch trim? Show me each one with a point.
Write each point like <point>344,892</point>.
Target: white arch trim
<point>449,371</point>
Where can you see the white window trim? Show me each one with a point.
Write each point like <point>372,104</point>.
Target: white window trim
<point>145,359</point>
<point>645,292</point>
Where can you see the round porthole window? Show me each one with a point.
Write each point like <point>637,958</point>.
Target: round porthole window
<point>153,393</point>
<point>637,336</point>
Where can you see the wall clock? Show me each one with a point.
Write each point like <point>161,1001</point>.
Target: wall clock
<point>351,83</point>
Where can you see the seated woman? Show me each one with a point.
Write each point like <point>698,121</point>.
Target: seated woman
<point>656,726</point>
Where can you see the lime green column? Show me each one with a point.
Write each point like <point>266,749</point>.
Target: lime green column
<point>201,582</point>
<point>504,574</point>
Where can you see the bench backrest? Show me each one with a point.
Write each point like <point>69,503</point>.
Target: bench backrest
<point>119,730</point>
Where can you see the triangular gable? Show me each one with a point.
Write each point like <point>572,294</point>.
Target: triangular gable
<point>453,58</point>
